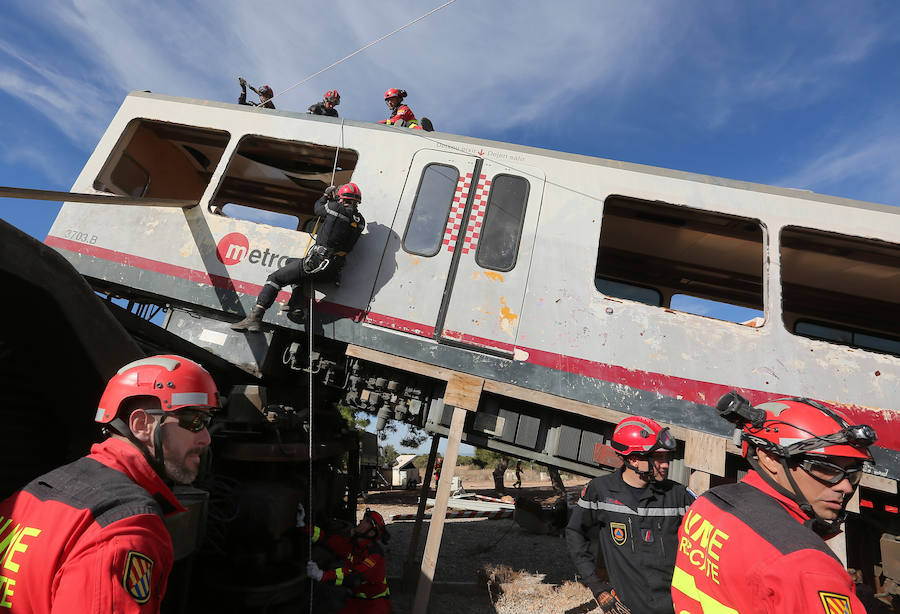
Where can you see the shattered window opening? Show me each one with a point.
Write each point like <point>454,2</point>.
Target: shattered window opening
<point>700,262</point>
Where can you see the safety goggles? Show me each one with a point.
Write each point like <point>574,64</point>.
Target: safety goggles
<point>831,473</point>
<point>664,442</point>
<point>193,420</point>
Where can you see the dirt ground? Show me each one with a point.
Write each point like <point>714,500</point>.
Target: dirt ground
<point>484,566</point>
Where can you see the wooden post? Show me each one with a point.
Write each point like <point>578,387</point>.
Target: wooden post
<point>439,514</point>
<point>409,566</point>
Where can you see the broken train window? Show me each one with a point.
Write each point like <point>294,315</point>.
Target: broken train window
<point>841,288</point>
<point>156,159</point>
<point>690,260</point>
<point>277,182</point>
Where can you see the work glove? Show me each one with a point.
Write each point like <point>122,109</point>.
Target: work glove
<point>329,192</point>
<point>606,597</point>
<point>301,516</point>
<point>313,571</point>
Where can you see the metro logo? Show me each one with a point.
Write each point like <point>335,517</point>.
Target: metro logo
<point>232,248</point>
<point>235,247</point>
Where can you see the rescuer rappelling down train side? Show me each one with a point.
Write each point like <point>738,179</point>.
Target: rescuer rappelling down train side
<point>342,225</point>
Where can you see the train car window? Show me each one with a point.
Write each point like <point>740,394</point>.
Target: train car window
<point>277,182</point>
<point>504,215</point>
<point>700,262</point>
<point>161,160</point>
<point>430,210</point>
<point>841,288</point>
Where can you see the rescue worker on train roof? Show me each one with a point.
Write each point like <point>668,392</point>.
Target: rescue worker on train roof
<point>758,545</point>
<point>91,536</point>
<point>362,570</point>
<point>339,228</point>
<point>265,94</point>
<point>401,115</point>
<point>635,513</point>
<point>327,105</point>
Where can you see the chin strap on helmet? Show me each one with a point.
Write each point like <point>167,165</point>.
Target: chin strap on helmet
<point>157,461</point>
<point>814,522</point>
<point>648,475</point>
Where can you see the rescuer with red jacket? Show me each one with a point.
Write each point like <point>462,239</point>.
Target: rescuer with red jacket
<point>363,570</point>
<point>90,536</point>
<point>635,513</point>
<point>401,115</point>
<point>757,546</point>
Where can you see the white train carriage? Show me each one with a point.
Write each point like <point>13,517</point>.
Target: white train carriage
<point>550,272</point>
<point>549,294</point>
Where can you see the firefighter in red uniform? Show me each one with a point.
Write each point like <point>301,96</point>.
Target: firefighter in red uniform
<point>757,546</point>
<point>90,536</point>
<point>363,570</point>
<point>401,115</point>
<point>635,513</point>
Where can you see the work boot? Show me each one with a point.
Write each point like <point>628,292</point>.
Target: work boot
<point>253,322</point>
<point>297,315</point>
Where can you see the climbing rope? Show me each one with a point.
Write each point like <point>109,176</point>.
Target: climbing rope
<point>310,290</point>
<point>361,49</point>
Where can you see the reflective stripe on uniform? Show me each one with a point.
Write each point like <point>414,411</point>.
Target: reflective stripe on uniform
<point>316,534</point>
<point>684,582</point>
<point>386,592</point>
<point>624,509</point>
<point>339,216</point>
<point>338,576</point>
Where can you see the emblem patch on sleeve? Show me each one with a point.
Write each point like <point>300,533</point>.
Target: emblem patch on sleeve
<point>835,603</point>
<point>618,533</point>
<point>137,574</point>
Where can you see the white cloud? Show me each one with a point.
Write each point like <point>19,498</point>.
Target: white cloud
<point>862,165</point>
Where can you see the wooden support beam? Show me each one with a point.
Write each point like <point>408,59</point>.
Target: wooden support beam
<point>464,391</point>
<point>439,514</point>
<point>705,452</point>
<point>698,482</point>
<point>409,566</point>
<point>96,199</point>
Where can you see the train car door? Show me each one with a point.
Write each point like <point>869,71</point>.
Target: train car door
<point>482,303</point>
<point>415,267</point>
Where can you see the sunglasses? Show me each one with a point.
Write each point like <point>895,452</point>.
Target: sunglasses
<point>193,420</point>
<point>831,473</point>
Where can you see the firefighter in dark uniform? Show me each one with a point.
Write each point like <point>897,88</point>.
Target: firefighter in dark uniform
<point>90,536</point>
<point>363,570</point>
<point>265,94</point>
<point>341,226</point>
<point>757,546</point>
<point>635,513</point>
<point>327,105</point>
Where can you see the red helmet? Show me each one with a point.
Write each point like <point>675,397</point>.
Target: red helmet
<point>395,92</point>
<point>350,191</point>
<point>377,521</point>
<point>177,382</point>
<point>333,97</point>
<point>792,427</point>
<point>641,436</point>
<point>266,91</point>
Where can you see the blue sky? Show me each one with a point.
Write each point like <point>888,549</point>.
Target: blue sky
<point>799,94</point>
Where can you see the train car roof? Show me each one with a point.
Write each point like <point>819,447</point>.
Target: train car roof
<point>549,153</point>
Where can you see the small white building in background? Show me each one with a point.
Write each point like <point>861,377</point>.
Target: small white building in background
<point>403,473</point>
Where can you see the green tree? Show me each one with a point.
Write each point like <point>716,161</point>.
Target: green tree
<point>486,458</point>
<point>388,455</point>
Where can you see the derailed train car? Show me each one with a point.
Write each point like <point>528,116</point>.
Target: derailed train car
<point>548,294</point>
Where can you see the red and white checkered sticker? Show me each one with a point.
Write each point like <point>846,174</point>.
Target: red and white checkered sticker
<point>476,218</point>
<point>455,221</point>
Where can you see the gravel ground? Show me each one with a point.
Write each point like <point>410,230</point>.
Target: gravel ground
<point>526,569</point>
